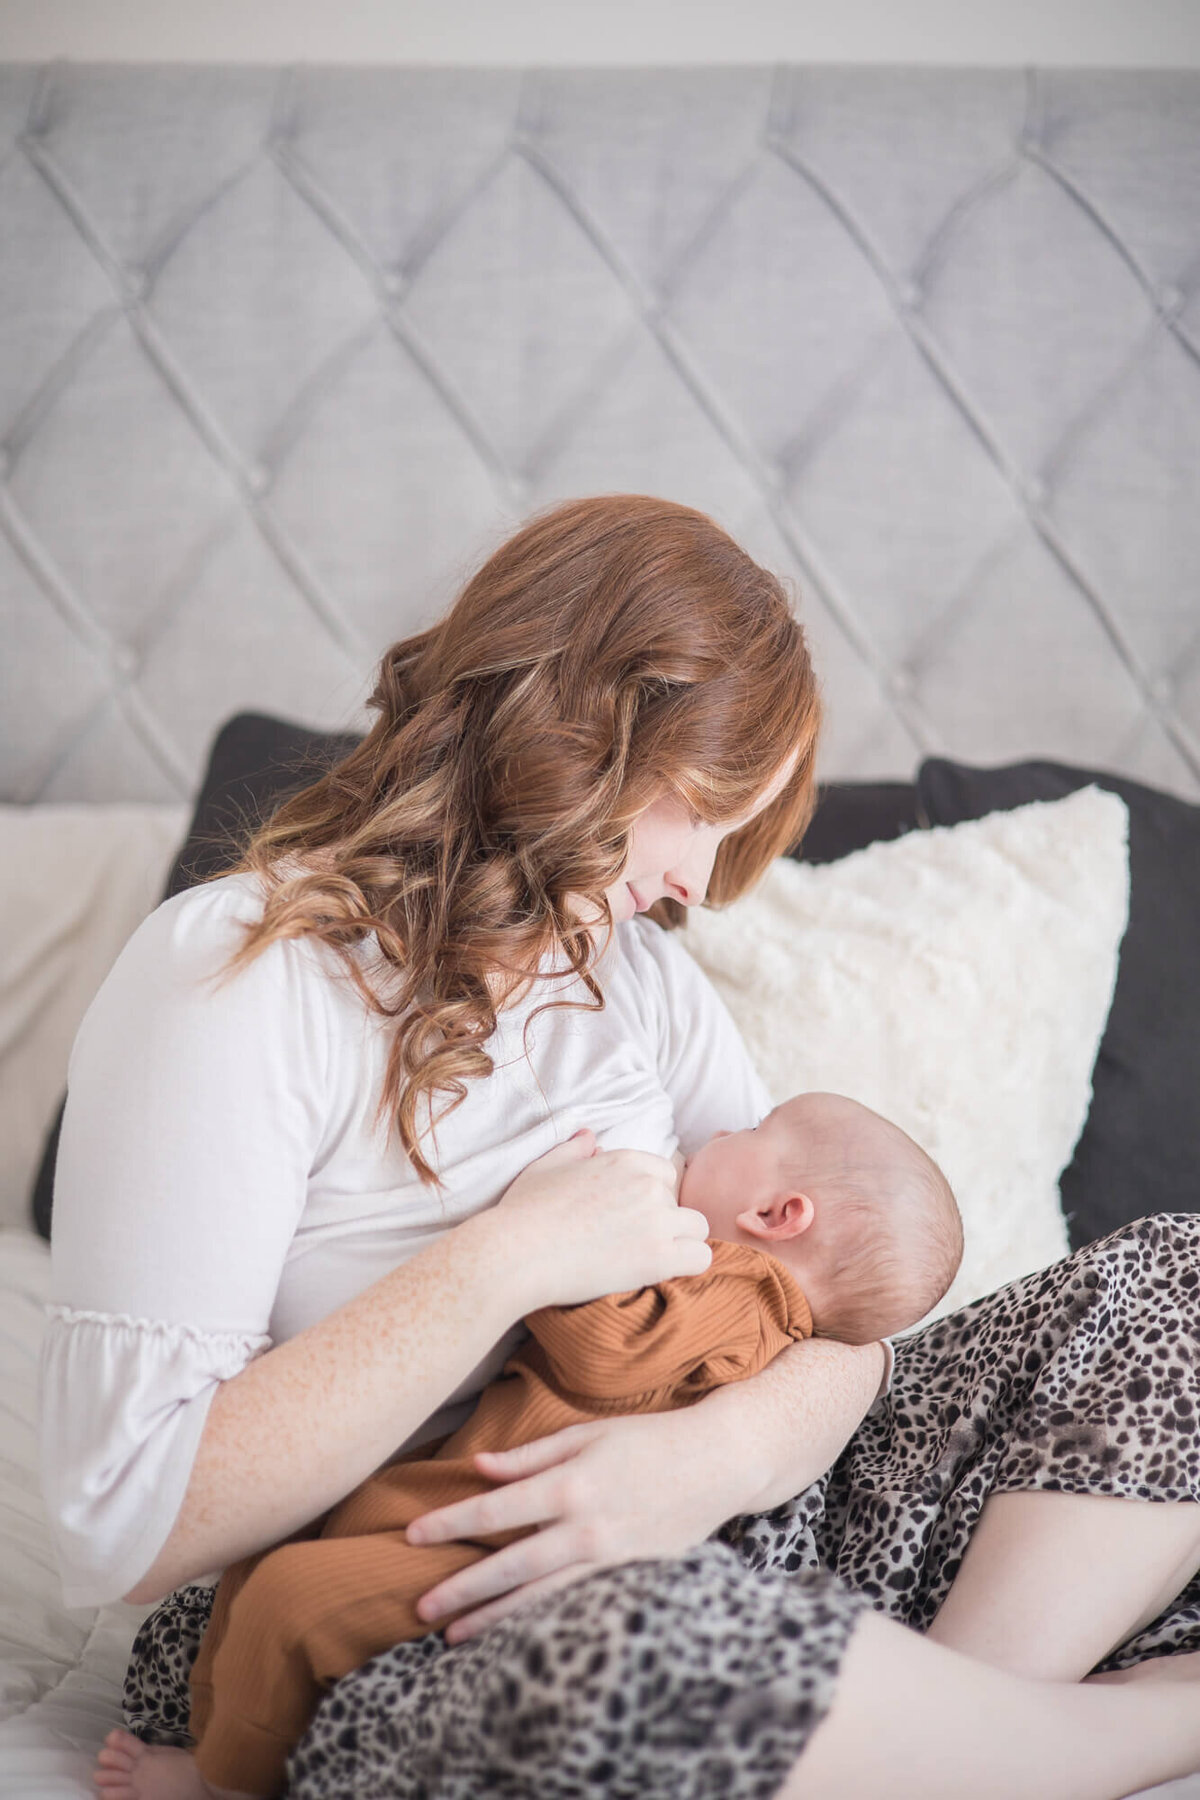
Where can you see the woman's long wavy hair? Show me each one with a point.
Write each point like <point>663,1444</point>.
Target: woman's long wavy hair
<point>614,650</point>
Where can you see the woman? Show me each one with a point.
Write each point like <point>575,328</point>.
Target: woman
<point>278,1257</point>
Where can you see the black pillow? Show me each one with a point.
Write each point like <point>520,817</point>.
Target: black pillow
<point>1139,1151</point>
<point>852,814</point>
<point>255,763</point>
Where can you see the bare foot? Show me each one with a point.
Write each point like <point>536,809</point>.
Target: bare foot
<point>1157,1668</point>
<point>127,1769</point>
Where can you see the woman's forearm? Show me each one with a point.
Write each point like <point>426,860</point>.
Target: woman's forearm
<point>786,1426</point>
<point>299,1427</point>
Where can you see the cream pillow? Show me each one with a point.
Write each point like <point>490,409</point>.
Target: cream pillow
<point>957,980</point>
<point>75,881</point>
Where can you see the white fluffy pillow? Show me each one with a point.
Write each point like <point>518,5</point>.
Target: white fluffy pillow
<point>75,882</point>
<point>958,981</point>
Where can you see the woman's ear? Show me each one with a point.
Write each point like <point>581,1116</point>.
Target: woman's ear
<point>779,1219</point>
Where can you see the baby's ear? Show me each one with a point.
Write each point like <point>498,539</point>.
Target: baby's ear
<point>779,1220</point>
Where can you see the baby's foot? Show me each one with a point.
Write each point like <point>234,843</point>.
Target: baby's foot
<point>1156,1668</point>
<point>127,1769</point>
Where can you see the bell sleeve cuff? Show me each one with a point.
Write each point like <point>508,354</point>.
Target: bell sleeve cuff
<point>122,1404</point>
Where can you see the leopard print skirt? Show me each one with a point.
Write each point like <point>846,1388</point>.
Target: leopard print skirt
<point>706,1674</point>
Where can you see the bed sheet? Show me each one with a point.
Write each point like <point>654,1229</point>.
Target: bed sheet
<point>61,1671</point>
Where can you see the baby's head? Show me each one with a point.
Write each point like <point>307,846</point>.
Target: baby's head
<point>863,1218</point>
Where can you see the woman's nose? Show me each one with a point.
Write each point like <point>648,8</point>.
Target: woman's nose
<point>687,881</point>
<point>680,888</point>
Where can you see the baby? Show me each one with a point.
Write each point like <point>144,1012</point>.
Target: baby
<point>824,1219</point>
<point>863,1219</point>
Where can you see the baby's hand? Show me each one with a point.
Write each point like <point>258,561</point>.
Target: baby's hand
<point>680,1162</point>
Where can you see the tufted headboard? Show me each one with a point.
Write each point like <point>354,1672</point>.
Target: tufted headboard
<point>283,353</point>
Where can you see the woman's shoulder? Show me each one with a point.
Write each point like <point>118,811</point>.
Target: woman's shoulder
<point>193,937</point>
<point>213,917</point>
<point>176,993</point>
<point>202,924</point>
<point>212,906</point>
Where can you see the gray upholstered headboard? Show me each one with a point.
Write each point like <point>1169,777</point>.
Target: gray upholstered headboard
<point>283,353</point>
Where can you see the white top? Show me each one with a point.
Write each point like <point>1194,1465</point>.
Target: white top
<point>220,1187</point>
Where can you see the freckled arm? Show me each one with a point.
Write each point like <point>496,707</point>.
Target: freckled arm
<point>297,1428</point>
<point>773,1435</point>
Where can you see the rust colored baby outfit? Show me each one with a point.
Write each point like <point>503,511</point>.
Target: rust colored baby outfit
<point>289,1622</point>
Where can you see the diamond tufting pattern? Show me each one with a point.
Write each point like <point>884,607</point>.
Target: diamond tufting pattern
<point>283,353</point>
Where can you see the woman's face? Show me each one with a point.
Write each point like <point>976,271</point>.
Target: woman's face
<point>671,855</point>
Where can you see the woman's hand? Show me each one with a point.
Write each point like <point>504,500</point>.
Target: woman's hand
<point>599,1495</point>
<point>649,1484</point>
<point>581,1222</point>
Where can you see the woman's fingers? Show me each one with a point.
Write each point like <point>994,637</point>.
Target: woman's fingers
<point>472,1623</point>
<point>577,1148</point>
<point>533,1457</point>
<point>659,1169</point>
<point>691,1257</point>
<point>513,1567</point>
<point>690,1253</point>
<point>500,1509</point>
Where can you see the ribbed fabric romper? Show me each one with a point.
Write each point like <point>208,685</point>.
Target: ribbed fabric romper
<point>289,1622</point>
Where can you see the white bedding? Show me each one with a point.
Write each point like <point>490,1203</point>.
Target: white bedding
<point>61,1672</point>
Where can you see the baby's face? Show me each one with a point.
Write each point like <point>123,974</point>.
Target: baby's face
<point>839,1195</point>
<point>739,1171</point>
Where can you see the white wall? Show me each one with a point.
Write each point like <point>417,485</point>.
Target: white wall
<point>1131,33</point>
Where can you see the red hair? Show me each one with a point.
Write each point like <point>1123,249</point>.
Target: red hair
<point>613,650</point>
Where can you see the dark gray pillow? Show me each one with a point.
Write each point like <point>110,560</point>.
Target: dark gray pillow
<point>256,762</point>
<point>1139,1152</point>
<point>852,814</point>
